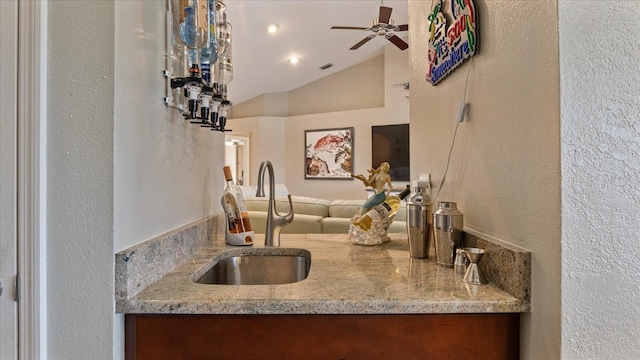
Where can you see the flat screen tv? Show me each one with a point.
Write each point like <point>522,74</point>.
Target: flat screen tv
<point>390,143</point>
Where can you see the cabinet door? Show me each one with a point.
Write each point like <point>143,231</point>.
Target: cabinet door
<point>420,336</point>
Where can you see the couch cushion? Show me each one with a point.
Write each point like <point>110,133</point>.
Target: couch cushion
<point>301,224</point>
<point>307,205</point>
<point>249,191</point>
<point>256,203</point>
<point>335,225</point>
<point>301,205</point>
<point>397,226</point>
<point>344,208</point>
<point>401,215</point>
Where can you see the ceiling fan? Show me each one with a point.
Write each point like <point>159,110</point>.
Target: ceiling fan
<point>382,26</point>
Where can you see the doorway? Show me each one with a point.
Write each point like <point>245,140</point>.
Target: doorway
<point>236,155</point>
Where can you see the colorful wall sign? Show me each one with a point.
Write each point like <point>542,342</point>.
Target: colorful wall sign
<point>450,46</point>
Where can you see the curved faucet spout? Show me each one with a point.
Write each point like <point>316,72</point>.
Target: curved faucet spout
<point>260,191</point>
<point>275,221</point>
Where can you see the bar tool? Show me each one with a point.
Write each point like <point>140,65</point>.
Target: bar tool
<point>474,275</point>
<point>447,223</point>
<point>418,225</point>
<point>461,262</point>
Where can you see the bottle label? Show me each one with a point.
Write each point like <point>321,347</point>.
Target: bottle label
<point>379,213</point>
<point>231,212</point>
<point>206,72</point>
<point>241,204</point>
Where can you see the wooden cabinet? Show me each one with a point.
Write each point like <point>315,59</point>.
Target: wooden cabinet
<point>410,336</point>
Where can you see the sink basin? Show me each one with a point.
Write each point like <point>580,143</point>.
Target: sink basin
<point>259,266</point>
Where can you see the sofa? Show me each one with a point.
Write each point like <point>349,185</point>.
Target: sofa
<point>312,215</point>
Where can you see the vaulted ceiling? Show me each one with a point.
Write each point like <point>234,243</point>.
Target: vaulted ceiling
<point>260,59</point>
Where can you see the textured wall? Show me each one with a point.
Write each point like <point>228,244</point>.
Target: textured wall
<point>599,62</point>
<point>122,167</point>
<point>8,178</point>
<point>505,166</point>
<point>80,258</point>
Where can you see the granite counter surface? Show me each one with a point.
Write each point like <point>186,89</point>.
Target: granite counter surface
<point>344,279</point>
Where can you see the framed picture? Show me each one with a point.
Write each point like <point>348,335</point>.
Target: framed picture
<point>328,154</point>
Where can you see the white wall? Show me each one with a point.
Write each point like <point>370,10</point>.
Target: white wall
<point>122,167</point>
<point>505,166</point>
<point>515,199</point>
<point>266,142</point>
<point>167,172</point>
<point>281,139</point>
<point>9,213</point>
<point>80,182</point>
<point>396,74</point>
<point>357,87</point>
<point>599,62</point>
<point>361,121</point>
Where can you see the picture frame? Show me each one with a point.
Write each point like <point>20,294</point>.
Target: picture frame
<point>328,154</point>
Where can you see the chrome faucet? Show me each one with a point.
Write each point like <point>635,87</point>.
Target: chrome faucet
<point>275,221</point>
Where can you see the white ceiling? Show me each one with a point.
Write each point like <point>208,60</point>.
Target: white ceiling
<point>260,59</point>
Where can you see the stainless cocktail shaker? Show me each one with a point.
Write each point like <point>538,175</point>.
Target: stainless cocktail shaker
<point>418,226</point>
<point>447,228</point>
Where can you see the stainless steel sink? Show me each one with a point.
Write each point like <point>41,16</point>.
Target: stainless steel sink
<point>259,266</point>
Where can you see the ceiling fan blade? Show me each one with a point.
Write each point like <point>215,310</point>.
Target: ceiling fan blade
<point>404,27</point>
<point>401,44</point>
<point>349,28</point>
<point>362,42</point>
<point>385,14</point>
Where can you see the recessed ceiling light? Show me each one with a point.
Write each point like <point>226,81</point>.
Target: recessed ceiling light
<point>294,60</point>
<point>272,28</point>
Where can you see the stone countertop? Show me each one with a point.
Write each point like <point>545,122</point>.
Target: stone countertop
<point>344,279</point>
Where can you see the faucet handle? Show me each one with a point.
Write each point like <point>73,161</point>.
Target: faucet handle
<point>289,217</point>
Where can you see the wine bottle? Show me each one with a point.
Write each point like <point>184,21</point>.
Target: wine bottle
<point>386,210</point>
<point>238,229</point>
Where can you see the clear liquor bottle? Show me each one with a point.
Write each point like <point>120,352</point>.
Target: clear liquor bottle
<point>209,53</point>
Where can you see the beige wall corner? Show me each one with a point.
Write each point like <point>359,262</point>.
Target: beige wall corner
<point>505,165</point>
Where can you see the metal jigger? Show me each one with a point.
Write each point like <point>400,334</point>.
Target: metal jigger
<point>473,275</point>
